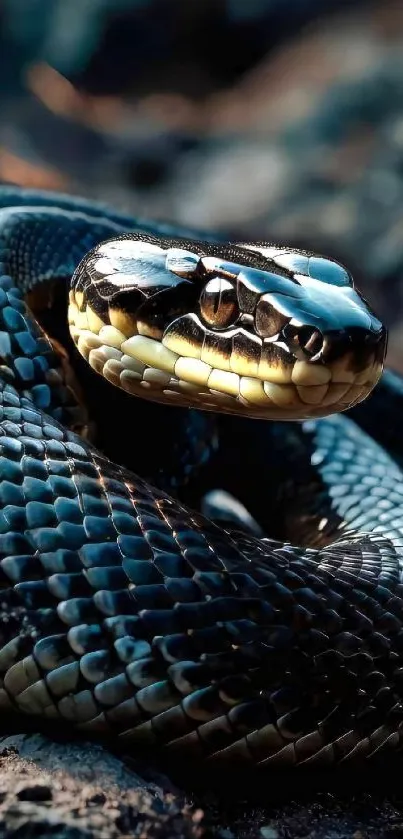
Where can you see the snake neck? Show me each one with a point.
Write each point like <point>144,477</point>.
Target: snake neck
<point>39,250</point>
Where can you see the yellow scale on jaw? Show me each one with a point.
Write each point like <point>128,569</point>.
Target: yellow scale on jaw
<point>177,369</point>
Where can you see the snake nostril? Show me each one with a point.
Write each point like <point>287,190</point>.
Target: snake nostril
<point>310,340</point>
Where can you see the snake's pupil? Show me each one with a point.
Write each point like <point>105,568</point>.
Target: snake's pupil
<point>218,304</point>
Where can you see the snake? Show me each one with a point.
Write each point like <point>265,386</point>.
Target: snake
<point>127,614</point>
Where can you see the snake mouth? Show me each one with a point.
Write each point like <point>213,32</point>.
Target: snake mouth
<point>237,373</point>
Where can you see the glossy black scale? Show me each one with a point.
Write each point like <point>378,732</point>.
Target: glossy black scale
<point>172,634</point>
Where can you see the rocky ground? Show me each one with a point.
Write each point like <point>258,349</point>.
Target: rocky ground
<point>80,791</point>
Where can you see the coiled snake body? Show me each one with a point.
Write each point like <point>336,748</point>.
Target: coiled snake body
<point>129,615</point>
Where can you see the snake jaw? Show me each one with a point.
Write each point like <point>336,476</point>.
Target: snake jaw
<point>195,328</point>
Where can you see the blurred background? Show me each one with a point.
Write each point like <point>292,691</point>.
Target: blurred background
<point>272,119</point>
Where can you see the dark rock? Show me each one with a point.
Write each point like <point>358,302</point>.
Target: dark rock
<point>35,792</point>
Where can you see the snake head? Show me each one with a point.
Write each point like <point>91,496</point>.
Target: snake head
<point>250,329</point>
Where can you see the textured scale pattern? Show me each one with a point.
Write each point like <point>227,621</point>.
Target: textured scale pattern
<point>125,614</point>
<point>144,620</point>
<point>28,358</point>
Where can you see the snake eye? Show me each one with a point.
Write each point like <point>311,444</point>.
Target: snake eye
<point>218,304</point>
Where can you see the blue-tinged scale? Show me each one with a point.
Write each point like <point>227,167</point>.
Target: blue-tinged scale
<point>121,625</point>
<point>172,565</point>
<point>161,541</point>
<point>152,595</point>
<point>97,527</point>
<point>85,638</point>
<point>13,414</point>
<point>26,342</point>
<point>297,263</point>
<point>5,344</point>
<point>34,448</point>
<point>328,271</point>
<point>10,397</point>
<point>34,469</point>
<point>183,590</point>
<point>54,448</point>
<point>141,571</point>
<point>142,673</point>
<point>14,299</point>
<point>75,449</point>
<point>93,555</point>
<point>181,262</point>
<point>72,535</point>
<point>4,524</point>
<point>49,652</point>
<point>31,431</point>
<point>190,539</point>
<point>95,665</point>
<point>266,282</point>
<point>120,503</point>
<point>10,471</point>
<point>62,486</point>
<point>94,506</point>
<point>68,509</point>
<point>125,524</point>
<point>160,621</point>
<point>113,486</point>
<point>15,517</point>
<point>46,539</point>
<point>88,469</point>
<point>6,282</point>
<point>130,650</point>
<point>41,363</point>
<point>213,582</point>
<point>60,468</point>
<point>13,320</point>
<point>11,493</point>
<point>39,514</point>
<point>12,430</point>
<point>35,594</point>
<point>88,485</point>
<point>113,602</point>
<point>41,396</point>
<point>54,435</point>
<point>77,610</point>
<point>18,568</point>
<point>61,560</point>
<point>63,586</point>
<point>112,577</point>
<point>29,415</point>
<point>135,547</point>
